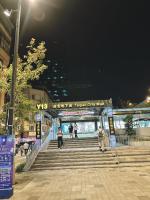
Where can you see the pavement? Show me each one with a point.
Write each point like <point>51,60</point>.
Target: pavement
<point>19,159</point>
<point>84,184</point>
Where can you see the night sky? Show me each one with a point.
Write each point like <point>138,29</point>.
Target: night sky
<point>104,45</point>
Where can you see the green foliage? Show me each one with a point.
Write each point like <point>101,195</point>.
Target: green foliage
<point>20,167</point>
<point>129,125</point>
<point>29,68</point>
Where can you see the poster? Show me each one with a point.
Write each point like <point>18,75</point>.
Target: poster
<point>6,165</point>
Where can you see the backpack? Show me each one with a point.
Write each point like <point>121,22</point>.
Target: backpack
<point>101,133</point>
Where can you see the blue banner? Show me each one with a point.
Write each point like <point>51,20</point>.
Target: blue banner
<point>6,165</point>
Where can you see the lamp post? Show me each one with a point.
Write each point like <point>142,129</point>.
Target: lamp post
<point>14,72</point>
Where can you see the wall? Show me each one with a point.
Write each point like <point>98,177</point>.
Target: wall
<point>143,132</point>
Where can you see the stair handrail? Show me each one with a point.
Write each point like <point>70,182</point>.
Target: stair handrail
<point>37,147</point>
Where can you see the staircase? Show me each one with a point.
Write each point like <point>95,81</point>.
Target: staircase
<point>76,154</point>
<point>133,157</point>
<point>84,153</point>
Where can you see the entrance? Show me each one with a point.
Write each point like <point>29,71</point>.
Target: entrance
<point>88,115</point>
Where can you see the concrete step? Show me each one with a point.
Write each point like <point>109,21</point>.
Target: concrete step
<point>78,139</point>
<point>75,144</point>
<point>91,164</point>
<point>100,156</point>
<point>130,153</point>
<point>75,141</point>
<point>75,151</point>
<point>75,163</point>
<point>73,147</point>
<point>121,165</point>
<point>55,160</point>
<point>73,167</point>
<point>82,155</point>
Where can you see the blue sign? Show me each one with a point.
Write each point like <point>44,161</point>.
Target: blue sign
<point>6,166</point>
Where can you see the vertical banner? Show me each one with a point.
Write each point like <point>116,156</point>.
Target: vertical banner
<point>111,125</point>
<point>112,132</point>
<point>6,166</point>
<point>38,130</point>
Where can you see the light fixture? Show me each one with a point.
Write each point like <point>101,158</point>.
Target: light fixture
<point>148,99</point>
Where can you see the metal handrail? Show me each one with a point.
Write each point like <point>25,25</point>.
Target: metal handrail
<point>30,158</point>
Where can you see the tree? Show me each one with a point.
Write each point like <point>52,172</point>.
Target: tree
<point>129,125</point>
<point>29,68</point>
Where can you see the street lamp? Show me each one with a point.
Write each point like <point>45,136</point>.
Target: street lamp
<point>148,99</point>
<point>14,68</point>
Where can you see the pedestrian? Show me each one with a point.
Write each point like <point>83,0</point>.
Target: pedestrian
<point>101,139</point>
<point>21,150</point>
<point>60,138</point>
<point>17,142</point>
<point>26,147</point>
<point>71,130</point>
<point>75,130</point>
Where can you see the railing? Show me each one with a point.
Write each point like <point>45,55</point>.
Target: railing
<point>30,158</point>
<point>133,140</point>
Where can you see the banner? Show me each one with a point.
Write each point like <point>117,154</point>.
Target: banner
<point>38,130</point>
<point>111,125</point>
<point>6,166</point>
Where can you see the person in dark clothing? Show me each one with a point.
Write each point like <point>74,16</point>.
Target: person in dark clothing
<point>60,138</point>
<point>71,131</point>
<point>75,130</point>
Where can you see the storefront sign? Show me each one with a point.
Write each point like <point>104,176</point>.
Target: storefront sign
<point>6,166</point>
<point>81,104</point>
<point>38,130</point>
<point>111,125</point>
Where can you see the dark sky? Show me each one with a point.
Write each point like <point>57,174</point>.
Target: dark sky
<point>103,43</point>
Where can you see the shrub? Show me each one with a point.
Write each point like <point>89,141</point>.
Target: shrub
<point>20,167</point>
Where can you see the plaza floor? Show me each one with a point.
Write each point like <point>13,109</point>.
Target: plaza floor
<point>85,184</point>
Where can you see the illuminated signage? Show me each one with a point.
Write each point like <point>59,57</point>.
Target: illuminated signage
<point>111,125</point>
<point>42,106</point>
<point>82,104</point>
<point>74,113</point>
<point>6,166</point>
<point>38,130</point>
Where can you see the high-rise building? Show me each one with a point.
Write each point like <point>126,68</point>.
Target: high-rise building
<point>54,78</point>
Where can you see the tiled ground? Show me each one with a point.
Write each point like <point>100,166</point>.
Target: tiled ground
<point>88,184</point>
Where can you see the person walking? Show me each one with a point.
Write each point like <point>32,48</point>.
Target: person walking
<point>101,139</point>
<point>71,130</point>
<point>26,147</point>
<point>21,150</point>
<point>75,130</point>
<point>60,138</point>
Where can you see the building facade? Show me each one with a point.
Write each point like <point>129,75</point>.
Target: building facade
<point>38,96</point>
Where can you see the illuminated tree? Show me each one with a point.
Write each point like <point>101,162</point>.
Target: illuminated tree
<point>29,68</point>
